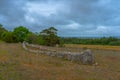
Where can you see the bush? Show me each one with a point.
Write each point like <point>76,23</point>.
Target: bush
<point>34,39</point>
<point>8,37</point>
<point>30,38</point>
<point>20,33</point>
<point>2,30</point>
<point>115,43</point>
<point>40,40</point>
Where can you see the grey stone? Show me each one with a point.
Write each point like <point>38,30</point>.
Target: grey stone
<point>53,54</point>
<point>60,55</point>
<point>87,57</point>
<point>75,57</point>
<point>69,56</point>
<point>48,53</point>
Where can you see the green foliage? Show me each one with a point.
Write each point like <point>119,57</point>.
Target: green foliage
<point>34,39</point>
<point>46,37</point>
<point>31,38</point>
<point>8,37</point>
<point>2,30</point>
<point>115,43</point>
<point>50,36</point>
<point>61,44</point>
<point>93,41</point>
<point>40,40</point>
<point>21,33</point>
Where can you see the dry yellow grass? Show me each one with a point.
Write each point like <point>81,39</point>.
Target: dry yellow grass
<point>101,47</point>
<point>18,64</point>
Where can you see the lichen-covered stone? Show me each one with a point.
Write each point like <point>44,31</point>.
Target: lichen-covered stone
<point>75,57</point>
<point>87,57</point>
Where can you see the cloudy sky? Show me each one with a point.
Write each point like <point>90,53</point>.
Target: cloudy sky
<point>72,18</point>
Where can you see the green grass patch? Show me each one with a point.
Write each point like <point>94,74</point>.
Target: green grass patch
<point>2,41</point>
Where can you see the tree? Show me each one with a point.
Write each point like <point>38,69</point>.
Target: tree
<point>20,33</point>
<point>2,30</point>
<point>50,36</point>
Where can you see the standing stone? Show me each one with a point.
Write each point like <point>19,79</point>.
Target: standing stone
<point>87,57</point>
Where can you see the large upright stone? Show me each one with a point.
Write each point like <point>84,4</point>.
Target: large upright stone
<point>87,57</point>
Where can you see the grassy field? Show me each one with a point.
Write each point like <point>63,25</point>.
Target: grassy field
<point>18,64</point>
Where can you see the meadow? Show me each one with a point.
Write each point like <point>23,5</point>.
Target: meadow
<point>18,64</point>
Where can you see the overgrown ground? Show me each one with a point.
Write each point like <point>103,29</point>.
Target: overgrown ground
<point>18,64</point>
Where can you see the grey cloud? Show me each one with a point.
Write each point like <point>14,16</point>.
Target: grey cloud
<point>12,11</point>
<point>89,14</point>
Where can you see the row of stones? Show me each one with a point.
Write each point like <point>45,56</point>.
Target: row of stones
<point>85,57</point>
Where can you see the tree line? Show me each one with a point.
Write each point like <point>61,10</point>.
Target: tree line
<point>46,37</point>
<point>94,41</point>
<point>49,37</point>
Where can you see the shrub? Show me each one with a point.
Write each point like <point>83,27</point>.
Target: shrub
<point>8,37</point>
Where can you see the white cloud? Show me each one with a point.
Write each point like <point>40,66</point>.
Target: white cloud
<point>72,18</point>
<point>29,19</point>
<point>73,26</point>
<point>44,9</point>
<point>102,29</point>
